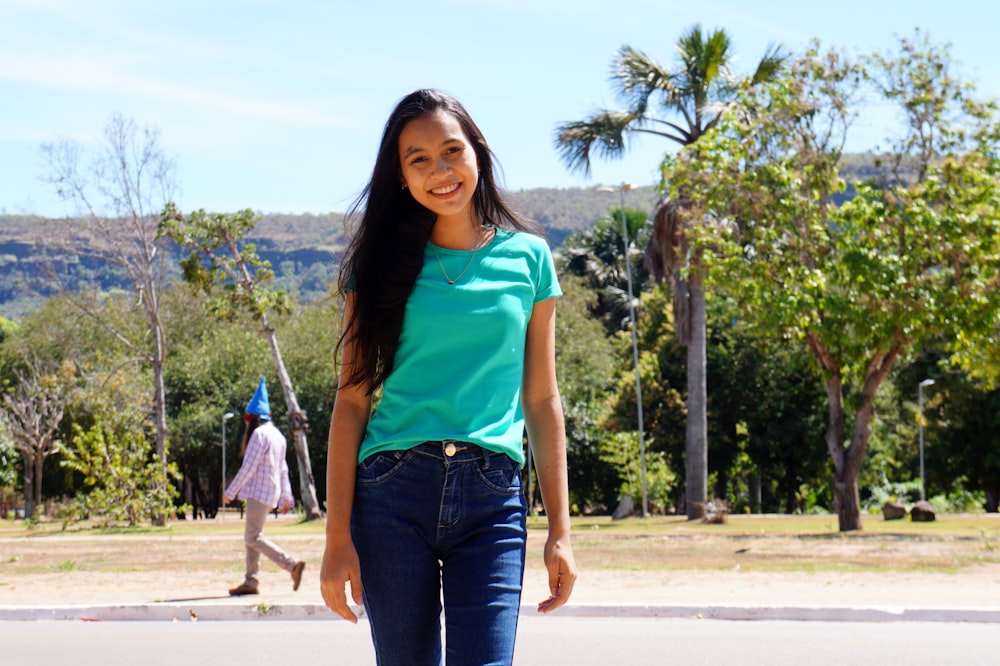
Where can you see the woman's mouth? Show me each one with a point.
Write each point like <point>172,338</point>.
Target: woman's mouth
<point>445,190</point>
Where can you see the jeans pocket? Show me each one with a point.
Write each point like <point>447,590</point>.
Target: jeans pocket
<point>379,467</point>
<point>502,475</point>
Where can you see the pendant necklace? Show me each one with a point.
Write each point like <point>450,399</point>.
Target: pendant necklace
<point>452,280</point>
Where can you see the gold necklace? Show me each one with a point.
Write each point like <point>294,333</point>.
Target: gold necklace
<point>452,280</point>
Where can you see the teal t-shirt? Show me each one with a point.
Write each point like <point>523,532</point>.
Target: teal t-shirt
<point>458,369</point>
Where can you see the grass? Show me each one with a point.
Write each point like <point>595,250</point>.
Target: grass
<point>769,543</point>
<point>778,543</point>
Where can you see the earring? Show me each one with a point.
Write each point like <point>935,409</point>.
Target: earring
<point>403,186</point>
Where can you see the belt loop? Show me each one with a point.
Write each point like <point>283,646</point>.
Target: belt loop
<point>486,457</point>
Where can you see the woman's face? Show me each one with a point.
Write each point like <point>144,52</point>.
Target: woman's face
<point>439,165</point>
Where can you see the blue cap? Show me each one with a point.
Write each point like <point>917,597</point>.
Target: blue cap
<point>259,403</point>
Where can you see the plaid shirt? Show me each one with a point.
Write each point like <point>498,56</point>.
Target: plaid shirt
<point>263,475</point>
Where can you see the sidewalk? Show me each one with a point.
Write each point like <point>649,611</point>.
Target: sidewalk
<point>186,576</point>
<point>730,595</point>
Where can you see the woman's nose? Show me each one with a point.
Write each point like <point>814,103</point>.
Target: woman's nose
<point>441,165</point>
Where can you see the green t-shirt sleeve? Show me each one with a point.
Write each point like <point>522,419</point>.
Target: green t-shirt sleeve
<point>547,281</point>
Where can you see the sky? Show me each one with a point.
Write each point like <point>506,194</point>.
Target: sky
<point>279,105</point>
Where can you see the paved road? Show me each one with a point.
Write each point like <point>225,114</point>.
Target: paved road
<point>542,641</point>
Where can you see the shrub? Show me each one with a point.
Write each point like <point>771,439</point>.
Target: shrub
<point>125,482</point>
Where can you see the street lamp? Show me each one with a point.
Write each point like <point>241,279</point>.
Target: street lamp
<point>222,498</point>
<point>635,343</point>
<point>920,418</point>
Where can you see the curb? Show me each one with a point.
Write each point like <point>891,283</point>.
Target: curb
<point>174,612</point>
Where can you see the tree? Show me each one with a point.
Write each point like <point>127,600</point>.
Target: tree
<point>698,90</point>
<point>117,205</point>
<point>859,284</point>
<point>585,367</point>
<point>124,480</point>
<point>596,256</point>
<point>221,261</point>
<point>212,363</point>
<point>31,415</point>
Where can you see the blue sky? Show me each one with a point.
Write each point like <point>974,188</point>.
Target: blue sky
<point>279,105</point>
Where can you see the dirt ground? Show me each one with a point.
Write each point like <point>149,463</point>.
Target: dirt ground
<point>110,569</point>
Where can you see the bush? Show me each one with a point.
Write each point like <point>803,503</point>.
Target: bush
<point>621,449</point>
<point>125,481</point>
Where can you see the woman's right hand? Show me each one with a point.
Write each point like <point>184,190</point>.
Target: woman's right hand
<point>340,568</point>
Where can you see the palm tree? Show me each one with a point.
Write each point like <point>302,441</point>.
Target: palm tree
<point>595,254</point>
<point>692,98</point>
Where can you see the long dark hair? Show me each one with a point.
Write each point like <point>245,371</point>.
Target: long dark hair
<point>251,423</point>
<point>386,252</point>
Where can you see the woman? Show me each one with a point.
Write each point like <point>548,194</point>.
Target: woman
<point>450,319</point>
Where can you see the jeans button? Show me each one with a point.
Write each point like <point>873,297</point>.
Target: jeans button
<point>449,449</point>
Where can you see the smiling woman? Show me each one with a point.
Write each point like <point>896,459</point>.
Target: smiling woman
<point>441,171</point>
<point>451,314</point>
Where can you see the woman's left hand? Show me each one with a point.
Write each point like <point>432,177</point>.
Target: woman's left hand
<point>562,573</point>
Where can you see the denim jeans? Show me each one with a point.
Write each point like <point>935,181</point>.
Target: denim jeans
<point>430,526</point>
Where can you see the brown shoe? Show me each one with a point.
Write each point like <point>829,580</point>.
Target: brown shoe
<point>242,589</point>
<point>297,574</point>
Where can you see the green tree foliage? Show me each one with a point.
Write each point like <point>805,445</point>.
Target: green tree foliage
<point>962,429</point>
<point>124,482</point>
<point>212,374</point>
<point>765,416</point>
<point>597,255</point>
<point>585,367</point>
<point>621,450</point>
<point>31,415</point>
<point>679,104</point>
<point>310,333</point>
<point>215,370</point>
<point>228,270</point>
<point>862,282</point>
<point>765,410</point>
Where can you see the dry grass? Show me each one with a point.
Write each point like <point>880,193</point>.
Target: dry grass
<point>755,543</point>
<point>788,543</point>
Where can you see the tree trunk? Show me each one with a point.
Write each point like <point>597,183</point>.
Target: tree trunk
<point>159,518</point>
<point>159,395</point>
<point>847,501</point>
<point>696,450</point>
<point>39,460</point>
<point>992,492</point>
<point>847,460</point>
<point>297,424</point>
<point>29,484</point>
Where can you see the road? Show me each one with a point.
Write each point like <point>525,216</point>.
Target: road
<point>542,641</point>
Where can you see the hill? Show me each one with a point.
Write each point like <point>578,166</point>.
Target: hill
<point>303,249</point>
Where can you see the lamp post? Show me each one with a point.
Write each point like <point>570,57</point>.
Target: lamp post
<point>222,499</point>
<point>920,418</point>
<point>635,343</point>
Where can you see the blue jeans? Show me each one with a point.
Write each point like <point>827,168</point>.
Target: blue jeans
<point>427,526</point>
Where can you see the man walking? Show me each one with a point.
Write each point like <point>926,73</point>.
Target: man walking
<point>263,482</point>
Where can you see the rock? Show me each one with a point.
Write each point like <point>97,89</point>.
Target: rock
<point>624,509</point>
<point>922,513</point>
<point>715,512</point>
<point>893,511</point>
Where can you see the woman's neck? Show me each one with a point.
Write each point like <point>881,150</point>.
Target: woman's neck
<point>458,234</point>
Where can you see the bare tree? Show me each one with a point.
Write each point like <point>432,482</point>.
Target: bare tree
<point>31,416</point>
<point>117,200</point>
